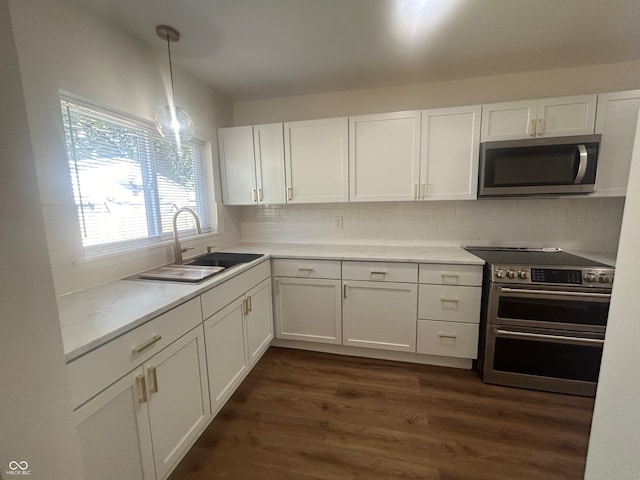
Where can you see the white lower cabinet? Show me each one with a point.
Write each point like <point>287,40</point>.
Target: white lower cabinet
<point>380,315</point>
<point>227,355</point>
<point>114,432</point>
<point>141,426</point>
<point>308,309</point>
<point>178,399</point>
<point>259,320</point>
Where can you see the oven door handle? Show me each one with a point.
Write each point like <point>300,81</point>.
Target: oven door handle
<point>549,338</point>
<point>563,293</point>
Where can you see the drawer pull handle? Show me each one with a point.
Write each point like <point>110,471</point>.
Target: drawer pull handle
<point>378,272</point>
<point>450,275</point>
<point>147,344</point>
<point>452,300</point>
<point>447,335</point>
<point>154,376</point>
<point>305,269</point>
<point>142,388</point>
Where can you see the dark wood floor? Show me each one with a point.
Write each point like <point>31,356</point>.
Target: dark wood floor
<point>303,415</point>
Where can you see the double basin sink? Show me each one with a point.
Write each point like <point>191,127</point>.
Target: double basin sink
<point>199,268</point>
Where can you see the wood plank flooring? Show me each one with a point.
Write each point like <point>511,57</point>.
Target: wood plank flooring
<point>304,415</point>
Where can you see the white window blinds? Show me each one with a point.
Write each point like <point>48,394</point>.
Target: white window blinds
<point>128,181</point>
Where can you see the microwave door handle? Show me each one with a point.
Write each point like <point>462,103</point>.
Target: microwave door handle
<point>582,168</point>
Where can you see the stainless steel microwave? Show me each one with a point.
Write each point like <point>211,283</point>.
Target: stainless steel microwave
<point>540,166</point>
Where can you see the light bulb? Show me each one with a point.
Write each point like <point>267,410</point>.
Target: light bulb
<point>172,122</point>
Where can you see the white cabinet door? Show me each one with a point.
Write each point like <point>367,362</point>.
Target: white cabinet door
<point>269,154</point>
<point>259,320</point>
<point>508,120</point>
<point>308,309</point>
<point>384,156</point>
<point>616,120</point>
<point>565,116</point>
<point>316,157</point>
<point>380,315</point>
<point>227,356</point>
<point>114,432</point>
<point>237,165</point>
<point>178,403</point>
<point>450,149</point>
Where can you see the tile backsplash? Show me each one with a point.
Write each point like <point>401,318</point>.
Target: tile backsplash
<point>579,224</point>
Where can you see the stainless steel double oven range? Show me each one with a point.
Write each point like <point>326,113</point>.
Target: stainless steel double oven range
<point>543,320</point>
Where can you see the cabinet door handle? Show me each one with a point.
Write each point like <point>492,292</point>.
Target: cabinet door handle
<point>532,127</point>
<point>447,335</point>
<point>424,190</point>
<point>147,344</point>
<point>154,377</point>
<point>249,306</point>
<point>452,300</point>
<point>259,194</point>
<point>344,290</point>
<point>289,193</point>
<point>142,388</point>
<point>541,125</point>
<point>277,287</point>
<point>245,307</point>
<point>415,192</point>
<point>253,195</point>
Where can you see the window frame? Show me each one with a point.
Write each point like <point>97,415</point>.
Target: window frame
<point>204,192</point>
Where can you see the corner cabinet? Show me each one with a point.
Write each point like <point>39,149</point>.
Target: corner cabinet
<point>549,117</point>
<point>616,120</point>
<point>307,300</point>
<point>449,157</point>
<point>384,156</point>
<point>316,159</point>
<point>252,164</point>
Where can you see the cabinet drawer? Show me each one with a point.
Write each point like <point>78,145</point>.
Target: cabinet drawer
<point>95,371</point>
<point>293,267</point>
<point>448,339</point>
<point>451,274</point>
<point>380,271</point>
<point>222,295</point>
<point>451,304</point>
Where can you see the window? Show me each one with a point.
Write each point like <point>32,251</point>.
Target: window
<point>128,181</point>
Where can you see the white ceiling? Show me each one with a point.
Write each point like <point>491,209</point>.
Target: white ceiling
<point>248,49</point>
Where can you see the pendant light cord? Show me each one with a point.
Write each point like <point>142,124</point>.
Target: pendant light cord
<point>173,92</point>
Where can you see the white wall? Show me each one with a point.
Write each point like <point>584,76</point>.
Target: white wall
<point>577,224</point>
<point>36,423</point>
<point>614,447</point>
<point>64,46</point>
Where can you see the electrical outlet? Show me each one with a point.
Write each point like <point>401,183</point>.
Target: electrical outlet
<point>338,223</point>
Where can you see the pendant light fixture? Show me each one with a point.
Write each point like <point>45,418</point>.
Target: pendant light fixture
<point>172,121</point>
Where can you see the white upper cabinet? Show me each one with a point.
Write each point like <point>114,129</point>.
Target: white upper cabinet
<point>269,154</point>
<point>237,165</point>
<point>252,164</point>
<point>449,158</point>
<point>549,117</point>
<point>316,157</point>
<point>616,120</point>
<point>384,156</point>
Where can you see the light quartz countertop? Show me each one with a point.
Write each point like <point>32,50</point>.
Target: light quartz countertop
<point>92,317</point>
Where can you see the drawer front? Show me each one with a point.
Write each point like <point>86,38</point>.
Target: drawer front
<point>293,267</point>
<point>450,304</point>
<point>98,369</point>
<point>448,339</point>
<point>470,275</point>
<point>222,295</point>
<point>380,271</point>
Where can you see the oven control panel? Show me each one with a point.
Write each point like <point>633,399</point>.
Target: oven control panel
<point>527,275</point>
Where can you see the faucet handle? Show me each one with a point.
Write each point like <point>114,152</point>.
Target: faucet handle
<point>186,249</point>
<point>210,247</point>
